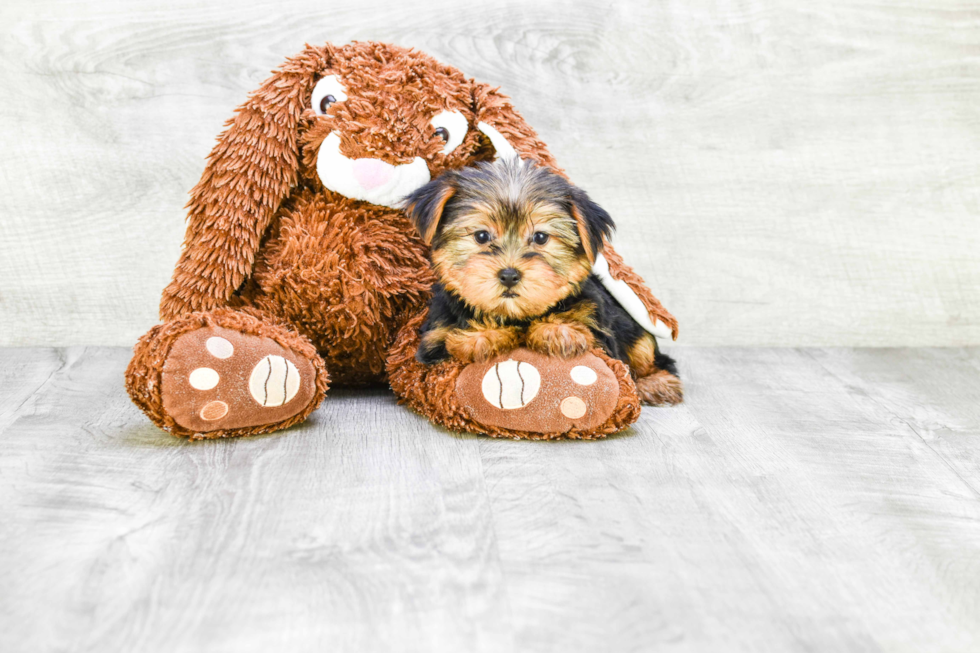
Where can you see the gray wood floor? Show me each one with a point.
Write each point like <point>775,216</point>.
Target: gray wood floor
<point>801,500</point>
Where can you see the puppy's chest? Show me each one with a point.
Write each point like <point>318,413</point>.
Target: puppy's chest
<point>462,314</point>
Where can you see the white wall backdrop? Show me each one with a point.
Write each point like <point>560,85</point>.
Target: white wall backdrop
<point>783,173</point>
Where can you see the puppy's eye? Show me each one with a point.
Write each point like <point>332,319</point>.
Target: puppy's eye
<point>540,237</point>
<point>451,127</point>
<point>327,91</point>
<point>482,237</point>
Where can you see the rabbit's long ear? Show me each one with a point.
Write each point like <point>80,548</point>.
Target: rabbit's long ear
<point>507,131</point>
<point>249,173</point>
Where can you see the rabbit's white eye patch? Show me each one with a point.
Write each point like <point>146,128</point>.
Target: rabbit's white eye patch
<point>327,91</point>
<point>451,127</point>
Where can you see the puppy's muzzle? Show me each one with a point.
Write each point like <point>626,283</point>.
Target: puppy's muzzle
<point>509,277</point>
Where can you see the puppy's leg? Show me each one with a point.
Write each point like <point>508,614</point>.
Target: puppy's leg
<point>656,374</point>
<point>481,342</point>
<point>432,348</point>
<point>564,335</point>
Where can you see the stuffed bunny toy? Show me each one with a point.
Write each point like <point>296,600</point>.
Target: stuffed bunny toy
<point>299,268</point>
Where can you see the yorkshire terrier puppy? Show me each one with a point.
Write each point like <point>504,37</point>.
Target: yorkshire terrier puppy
<point>513,245</point>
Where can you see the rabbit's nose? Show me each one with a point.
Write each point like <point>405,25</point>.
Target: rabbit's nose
<point>371,173</point>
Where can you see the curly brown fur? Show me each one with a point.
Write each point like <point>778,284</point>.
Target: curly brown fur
<point>347,275</point>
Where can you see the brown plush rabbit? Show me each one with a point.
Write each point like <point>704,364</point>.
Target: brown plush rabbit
<point>298,260</point>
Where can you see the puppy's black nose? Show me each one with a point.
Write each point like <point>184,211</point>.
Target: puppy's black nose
<point>509,277</point>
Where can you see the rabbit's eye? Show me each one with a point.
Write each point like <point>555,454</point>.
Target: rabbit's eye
<point>451,127</point>
<point>327,92</point>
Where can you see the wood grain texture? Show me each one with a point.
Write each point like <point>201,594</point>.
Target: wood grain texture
<point>800,500</point>
<point>783,173</point>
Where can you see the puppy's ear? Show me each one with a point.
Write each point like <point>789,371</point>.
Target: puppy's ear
<point>594,224</point>
<point>250,171</point>
<point>425,206</point>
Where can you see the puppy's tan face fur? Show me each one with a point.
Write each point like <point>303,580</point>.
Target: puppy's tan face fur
<point>493,227</point>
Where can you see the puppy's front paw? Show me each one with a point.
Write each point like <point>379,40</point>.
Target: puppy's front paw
<point>479,345</point>
<point>561,339</point>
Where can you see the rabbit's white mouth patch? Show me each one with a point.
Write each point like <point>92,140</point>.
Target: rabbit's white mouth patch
<point>377,182</point>
<point>370,180</point>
